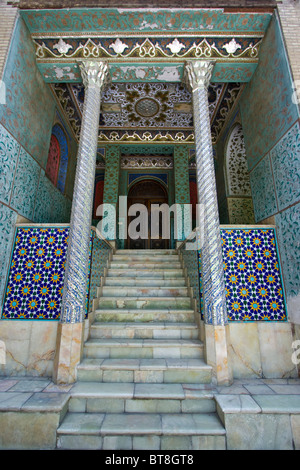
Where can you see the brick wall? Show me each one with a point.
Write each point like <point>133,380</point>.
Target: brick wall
<point>8,17</point>
<point>289,14</point>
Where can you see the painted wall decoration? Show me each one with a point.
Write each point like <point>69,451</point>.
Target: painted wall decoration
<point>53,160</point>
<point>160,48</point>
<point>254,288</point>
<point>106,20</point>
<point>237,175</point>
<point>57,163</point>
<point>36,277</point>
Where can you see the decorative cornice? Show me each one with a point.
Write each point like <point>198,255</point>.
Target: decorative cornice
<point>159,48</point>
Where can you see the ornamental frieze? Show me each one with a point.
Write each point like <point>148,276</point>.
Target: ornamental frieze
<point>182,48</point>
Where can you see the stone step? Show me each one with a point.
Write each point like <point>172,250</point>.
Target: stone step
<point>139,370</point>
<point>142,348</point>
<point>141,431</point>
<point>144,303</point>
<point>98,397</point>
<point>146,252</point>
<point>150,258</point>
<point>154,330</point>
<point>144,265</point>
<point>144,291</point>
<point>162,273</point>
<point>137,315</point>
<point>149,282</point>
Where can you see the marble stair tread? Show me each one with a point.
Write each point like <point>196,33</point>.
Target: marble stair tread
<point>144,364</point>
<point>137,315</point>
<point>144,291</point>
<point>145,281</point>
<point>149,251</point>
<point>141,342</point>
<point>144,330</point>
<point>144,266</point>
<point>142,302</point>
<point>158,273</point>
<point>141,391</point>
<point>141,424</point>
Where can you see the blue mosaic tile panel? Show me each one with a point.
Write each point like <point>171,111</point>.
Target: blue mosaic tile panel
<point>36,277</point>
<point>35,283</point>
<point>253,281</point>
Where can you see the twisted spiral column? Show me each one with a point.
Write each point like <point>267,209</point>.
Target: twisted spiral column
<point>76,273</point>
<point>198,75</point>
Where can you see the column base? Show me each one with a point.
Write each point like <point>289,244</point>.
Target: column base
<point>69,344</point>
<point>216,350</point>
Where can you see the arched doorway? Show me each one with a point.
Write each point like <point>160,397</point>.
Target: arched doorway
<point>147,192</point>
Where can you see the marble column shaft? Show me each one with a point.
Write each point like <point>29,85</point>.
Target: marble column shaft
<point>198,75</point>
<point>76,274</point>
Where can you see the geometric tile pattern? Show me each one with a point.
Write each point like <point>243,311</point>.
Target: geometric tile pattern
<point>253,282</point>
<point>36,278</point>
<point>254,289</point>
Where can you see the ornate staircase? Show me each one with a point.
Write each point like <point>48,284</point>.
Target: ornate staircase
<point>143,383</point>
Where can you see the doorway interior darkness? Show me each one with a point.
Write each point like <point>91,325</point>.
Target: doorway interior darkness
<point>147,192</point>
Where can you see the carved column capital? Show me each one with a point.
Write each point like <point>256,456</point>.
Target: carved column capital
<point>197,74</point>
<point>93,72</point>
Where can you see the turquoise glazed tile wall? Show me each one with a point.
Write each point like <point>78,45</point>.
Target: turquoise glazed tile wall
<point>9,151</point>
<point>272,136</point>
<point>285,158</point>
<point>263,190</point>
<point>29,110</point>
<point>288,223</point>
<point>266,105</point>
<point>25,185</point>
